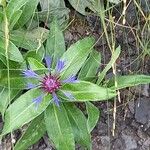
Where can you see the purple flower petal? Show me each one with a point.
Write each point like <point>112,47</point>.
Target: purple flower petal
<point>60,65</point>
<point>69,95</point>
<point>37,100</point>
<point>71,79</point>
<point>31,86</point>
<point>55,99</point>
<point>48,61</point>
<point>30,74</point>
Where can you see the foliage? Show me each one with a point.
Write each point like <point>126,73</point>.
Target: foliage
<point>66,124</point>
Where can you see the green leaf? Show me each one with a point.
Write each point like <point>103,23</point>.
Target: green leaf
<point>4,95</point>
<point>23,110</point>
<point>90,67</point>
<point>33,133</point>
<point>13,6</point>
<point>12,64</point>
<point>34,64</point>
<point>13,52</point>
<point>59,128</point>
<point>27,12</point>
<point>86,91</point>
<point>1,17</point>
<point>17,80</point>
<point>38,55</point>
<point>2,65</point>
<point>76,55</point>
<point>114,57</point>
<point>51,9</point>
<point>55,46</point>
<point>14,19</point>
<point>128,81</point>
<point>93,116</point>
<point>115,1</point>
<point>31,40</point>
<point>80,5</point>
<point>78,122</point>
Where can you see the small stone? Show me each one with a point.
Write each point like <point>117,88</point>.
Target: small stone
<point>101,143</point>
<point>146,144</point>
<point>131,106</point>
<point>118,145</point>
<point>68,36</point>
<point>105,140</point>
<point>141,134</point>
<point>130,142</point>
<point>142,111</point>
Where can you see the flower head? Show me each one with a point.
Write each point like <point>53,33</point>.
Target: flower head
<point>50,83</point>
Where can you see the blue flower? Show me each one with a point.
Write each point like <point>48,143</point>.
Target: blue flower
<point>30,74</point>
<point>60,65</point>
<point>50,83</point>
<point>71,79</point>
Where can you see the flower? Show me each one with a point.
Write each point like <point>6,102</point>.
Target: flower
<point>50,83</point>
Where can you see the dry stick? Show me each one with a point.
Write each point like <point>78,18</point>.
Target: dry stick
<point>124,11</point>
<point>115,75</point>
<point>6,34</point>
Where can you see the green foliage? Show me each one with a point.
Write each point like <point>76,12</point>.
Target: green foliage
<point>91,65</point>
<point>27,12</point>
<point>76,55</point>
<point>13,6</point>
<point>78,124</point>
<point>80,5</point>
<point>93,116</point>
<point>31,40</point>
<point>35,130</point>
<point>86,91</point>
<point>23,110</point>
<point>13,52</point>
<point>128,81</point>
<point>59,128</point>
<point>51,9</point>
<point>113,59</point>
<point>55,45</point>
<point>4,95</point>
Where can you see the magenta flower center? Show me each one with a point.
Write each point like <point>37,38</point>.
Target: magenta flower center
<point>51,83</point>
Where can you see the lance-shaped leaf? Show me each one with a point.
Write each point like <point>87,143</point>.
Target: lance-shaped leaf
<point>4,98</point>
<point>14,19</point>
<point>55,46</point>
<point>79,125</point>
<point>33,133</point>
<point>16,78</point>
<point>93,116</point>
<point>114,57</point>
<point>13,52</point>
<point>90,67</point>
<point>13,6</point>
<point>35,64</point>
<point>59,128</point>
<point>128,81</point>
<point>23,110</point>
<point>27,12</point>
<point>31,40</point>
<point>80,5</point>
<point>76,55</point>
<point>86,91</point>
